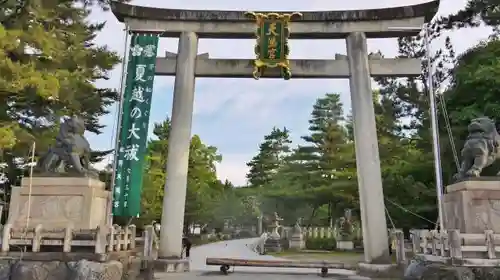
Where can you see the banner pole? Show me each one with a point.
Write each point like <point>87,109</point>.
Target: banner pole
<point>118,126</point>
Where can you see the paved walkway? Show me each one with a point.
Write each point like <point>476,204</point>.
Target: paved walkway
<point>242,249</point>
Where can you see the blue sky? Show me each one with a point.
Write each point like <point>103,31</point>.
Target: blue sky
<point>235,114</point>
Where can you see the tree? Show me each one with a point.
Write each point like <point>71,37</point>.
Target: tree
<point>265,165</point>
<point>154,174</point>
<point>203,188</point>
<point>473,91</point>
<point>475,13</point>
<point>476,74</point>
<point>49,65</point>
<point>323,168</point>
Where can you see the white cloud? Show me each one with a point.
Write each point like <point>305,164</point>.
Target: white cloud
<point>261,100</point>
<point>232,167</point>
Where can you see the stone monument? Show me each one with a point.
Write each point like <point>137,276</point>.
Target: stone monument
<point>481,148</point>
<point>297,241</point>
<point>472,203</point>
<point>345,231</point>
<point>272,243</point>
<point>63,191</point>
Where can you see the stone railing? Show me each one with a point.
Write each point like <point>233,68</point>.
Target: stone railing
<point>102,240</point>
<point>455,248</point>
<point>318,232</point>
<point>313,232</point>
<point>150,242</point>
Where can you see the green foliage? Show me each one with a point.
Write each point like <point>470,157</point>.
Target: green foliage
<point>270,158</point>
<point>477,73</point>
<point>311,175</point>
<point>204,191</point>
<point>49,67</point>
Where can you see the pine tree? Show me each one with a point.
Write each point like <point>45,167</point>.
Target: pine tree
<point>327,150</point>
<point>49,66</point>
<point>272,152</point>
<point>324,168</point>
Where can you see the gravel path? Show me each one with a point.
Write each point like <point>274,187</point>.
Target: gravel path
<point>242,249</point>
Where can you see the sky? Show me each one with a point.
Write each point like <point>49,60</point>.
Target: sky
<point>235,114</point>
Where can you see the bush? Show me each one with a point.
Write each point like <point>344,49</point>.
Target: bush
<point>328,244</point>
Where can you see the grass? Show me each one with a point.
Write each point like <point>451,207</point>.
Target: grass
<point>313,253</point>
<point>334,256</point>
<point>339,256</point>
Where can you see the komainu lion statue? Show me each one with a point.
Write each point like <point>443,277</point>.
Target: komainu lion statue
<point>481,149</point>
<point>71,150</point>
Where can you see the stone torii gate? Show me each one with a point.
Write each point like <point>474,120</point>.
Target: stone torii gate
<point>355,26</point>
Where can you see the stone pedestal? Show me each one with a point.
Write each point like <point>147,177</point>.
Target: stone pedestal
<point>297,241</point>
<point>57,202</point>
<point>473,206</point>
<point>272,244</point>
<point>345,245</point>
<point>171,265</point>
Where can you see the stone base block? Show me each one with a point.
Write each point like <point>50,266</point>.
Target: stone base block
<point>272,245</point>
<point>297,243</point>
<point>56,202</point>
<point>473,206</point>
<point>55,270</point>
<point>422,270</point>
<point>171,265</point>
<point>384,271</point>
<point>345,245</point>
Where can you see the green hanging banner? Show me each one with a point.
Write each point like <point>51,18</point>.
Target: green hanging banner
<point>133,127</point>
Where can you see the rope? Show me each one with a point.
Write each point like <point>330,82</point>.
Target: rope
<point>116,128</point>
<point>409,211</point>
<point>115,125</point>
<point>30,191</point>
<point>449,131</point>
<point>390,219</point>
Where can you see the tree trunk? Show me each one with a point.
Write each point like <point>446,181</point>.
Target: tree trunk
<point>330,214</point>
<point>313,214</point>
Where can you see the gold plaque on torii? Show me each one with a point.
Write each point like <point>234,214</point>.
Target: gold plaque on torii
<point>272,48</point>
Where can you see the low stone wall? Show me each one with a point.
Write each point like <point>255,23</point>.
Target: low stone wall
<point>125,268</point>
<point>424,270</point>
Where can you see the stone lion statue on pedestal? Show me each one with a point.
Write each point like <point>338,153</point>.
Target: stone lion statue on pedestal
<point>71,150</point>
<point>481,149</point>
